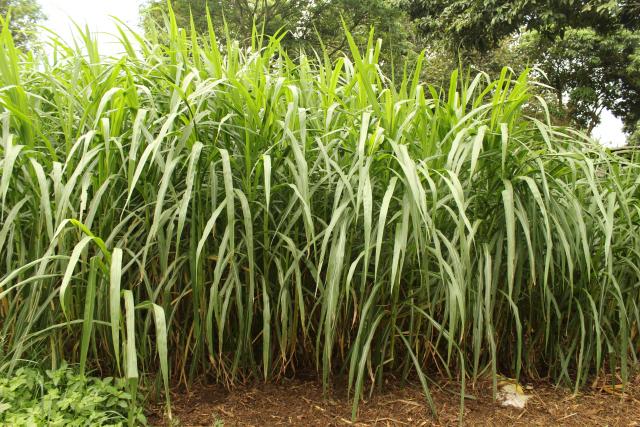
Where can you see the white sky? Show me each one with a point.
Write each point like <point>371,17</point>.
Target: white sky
<point>97,15</point>
<point>609,131</point>
<point>94,13</point>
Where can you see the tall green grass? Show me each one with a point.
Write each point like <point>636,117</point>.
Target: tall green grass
<point>196,208</point>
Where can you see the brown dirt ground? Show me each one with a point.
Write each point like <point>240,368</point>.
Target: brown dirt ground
<point>301,403</point>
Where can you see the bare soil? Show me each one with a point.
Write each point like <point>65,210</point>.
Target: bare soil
<point>302,403</point>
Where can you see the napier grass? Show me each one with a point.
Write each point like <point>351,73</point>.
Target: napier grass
<point>195,208</point>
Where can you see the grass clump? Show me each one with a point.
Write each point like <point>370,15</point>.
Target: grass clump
<point>258,215</point>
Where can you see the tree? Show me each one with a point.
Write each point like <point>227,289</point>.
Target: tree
<point>590,72</point>
<point>305,21</point>
<point>24,17</point>
<point>441,60</point>
<point>238,14</point>
<point>482,25</point>
<point>389,22</point>
<point>588,49</point>
<point>634,138</point>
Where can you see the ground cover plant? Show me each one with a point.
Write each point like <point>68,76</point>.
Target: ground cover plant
<point>194,208</point>
<point>62,397</point>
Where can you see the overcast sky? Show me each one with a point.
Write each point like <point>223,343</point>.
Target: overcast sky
<point>94,13</point>
<point>97,15</point>
<point>609,131</point>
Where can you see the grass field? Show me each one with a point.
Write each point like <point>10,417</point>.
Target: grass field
<point>193,208</point>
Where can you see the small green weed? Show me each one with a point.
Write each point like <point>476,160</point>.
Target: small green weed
<point>62,397</point>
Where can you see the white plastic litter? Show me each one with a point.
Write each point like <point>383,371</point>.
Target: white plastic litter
<point>511,394</point>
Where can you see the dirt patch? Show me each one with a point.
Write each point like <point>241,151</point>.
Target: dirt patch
<point>301,402</point>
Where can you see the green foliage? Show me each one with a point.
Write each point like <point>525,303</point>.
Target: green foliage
<point>259,215</point>
<point>482,25</point>
<point>634,138</point>
<point>440,61</point>
<point>307,24</point>
<point>61,397</point>
<point>588,50</point>
<point>25,16</point>
<point>589,72</point>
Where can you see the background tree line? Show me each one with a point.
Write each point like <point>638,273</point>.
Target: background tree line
<point>587,50</point>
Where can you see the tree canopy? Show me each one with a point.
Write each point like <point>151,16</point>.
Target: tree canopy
<point>591,71</point>
<point>307,23</point>
<point>589,50</point>
<point>24,16</point>
<point>483,24</point>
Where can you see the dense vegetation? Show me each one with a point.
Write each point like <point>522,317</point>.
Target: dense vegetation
<point>63,398</point>
<point>257,216</point>
<point>587,50</point>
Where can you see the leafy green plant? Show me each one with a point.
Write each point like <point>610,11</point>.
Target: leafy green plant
<point>63,397</point>
<point>258,215</point>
